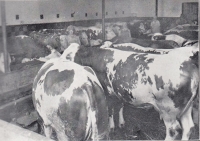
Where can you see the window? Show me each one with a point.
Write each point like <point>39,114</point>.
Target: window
<point>57,15</point>
<point>41,17</point>
<point>17,17</point>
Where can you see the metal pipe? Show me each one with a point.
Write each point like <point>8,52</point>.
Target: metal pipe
<point>103,20</point>
<point>4,35</point>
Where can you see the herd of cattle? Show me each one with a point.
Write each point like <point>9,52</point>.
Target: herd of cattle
<point>76,90</point>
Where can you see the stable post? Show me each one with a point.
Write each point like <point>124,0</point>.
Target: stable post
<point>4,35</point>
<point>156,8</point>
<point>103,20</point>
<point>199,65</point>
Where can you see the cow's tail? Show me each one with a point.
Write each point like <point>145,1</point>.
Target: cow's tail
<point>189,43</point>
<point>194,89</point>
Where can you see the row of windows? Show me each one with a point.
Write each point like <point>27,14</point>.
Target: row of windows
<point>72,15</point>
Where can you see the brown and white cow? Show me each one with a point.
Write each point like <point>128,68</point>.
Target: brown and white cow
<point>188,31</point>
<point>169,81</point>
<point>70,99</point>
<point>44,39</point>
<point>136,48</point>
<point>181,41</point>
<point>157,44</point>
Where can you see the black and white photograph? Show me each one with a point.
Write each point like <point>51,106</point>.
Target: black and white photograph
<point>92,70</point>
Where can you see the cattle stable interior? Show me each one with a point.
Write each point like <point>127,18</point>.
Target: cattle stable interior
<point>99,70</point>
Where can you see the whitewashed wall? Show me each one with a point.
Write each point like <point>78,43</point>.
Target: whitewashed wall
<point>166,8</point>
<point>143,8</point>
<point>30,11</point>
<point>171,8</point>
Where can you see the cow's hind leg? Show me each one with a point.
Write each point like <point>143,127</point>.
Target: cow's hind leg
<point>121,117</point>
<point>47,130</point>
<point>111,120</point>
<point>172,128</point>
<point>111,104</point>
<point>187,123</point>
<point>58,125</point>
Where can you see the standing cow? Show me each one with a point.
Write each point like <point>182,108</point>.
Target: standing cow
<point>169,82</point>
<point>69,99</point>
<point>137,48</point>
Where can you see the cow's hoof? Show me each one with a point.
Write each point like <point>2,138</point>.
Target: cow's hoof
<point>121,125</point>
<point>111,130</point>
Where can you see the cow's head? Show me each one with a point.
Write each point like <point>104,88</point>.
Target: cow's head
<point>109,33</point>
<point>117,30</point>
<point>107,44</point>
<point>71,29</point>
<point>63,42</point>
<point>158,36</point>
<point>84,39</point>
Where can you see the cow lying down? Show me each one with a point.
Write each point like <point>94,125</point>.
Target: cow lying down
<point>169,81</point>
<point>181,41</point>
<point>70,99</point>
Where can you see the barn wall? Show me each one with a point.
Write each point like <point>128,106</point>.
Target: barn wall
<point>143,8</point>
<point>52,11</point>
<point>117,8</point>
<point>171,8</point>
<point>166,8</point>
<point>55,11</point>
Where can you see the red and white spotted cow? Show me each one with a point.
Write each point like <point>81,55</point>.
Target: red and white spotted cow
<point>70,99</point>
<point>169,81</point>
<point>44,39</point>
<point>173,37</point>
<point>135,48</point>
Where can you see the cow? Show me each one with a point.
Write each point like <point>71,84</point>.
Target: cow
<point>23,46</point>
<point>189,35</point>
<point>135,48</point>
<point>44,39</point>
<point>161,44</point>
<point>53,54</point>
<point>140,78</point>
<point>187,31</point>
<point>95,32</point>
<point>139,29</point>
<point>70,99</point>
<point>85,41</point>
<point>174,37</point>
